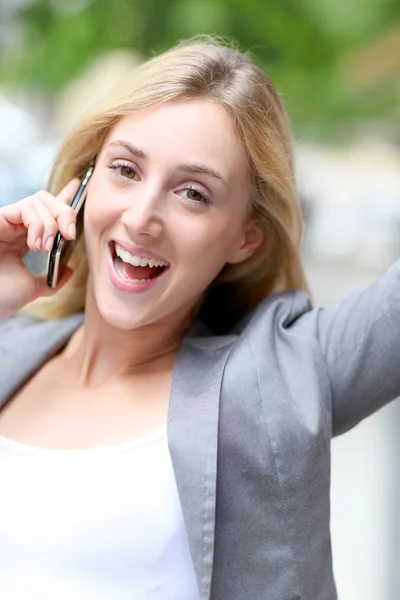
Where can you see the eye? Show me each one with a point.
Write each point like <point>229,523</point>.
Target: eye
<point>123,170</point>
<point>193,195</point>
<point>127,172</point>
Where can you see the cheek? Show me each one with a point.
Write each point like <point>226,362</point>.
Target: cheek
<point>99,213</point>
<point>205,248</point>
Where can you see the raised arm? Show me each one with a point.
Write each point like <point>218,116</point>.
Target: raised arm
<point>360,341</point>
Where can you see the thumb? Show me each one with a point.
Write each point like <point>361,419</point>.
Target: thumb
<point>42,289</point>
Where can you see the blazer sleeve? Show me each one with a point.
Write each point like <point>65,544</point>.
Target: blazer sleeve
<point>360,342</point>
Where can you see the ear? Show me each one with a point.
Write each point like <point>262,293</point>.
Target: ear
<point>252,238</point>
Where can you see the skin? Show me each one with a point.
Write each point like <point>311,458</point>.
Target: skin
<point>31,224</point>
<point>116,370</point>
<point>146,202</point>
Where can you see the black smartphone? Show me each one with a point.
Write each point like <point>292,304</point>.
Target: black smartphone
<point>62,248</point>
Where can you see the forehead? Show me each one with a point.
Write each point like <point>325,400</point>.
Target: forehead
<point>197,130</point>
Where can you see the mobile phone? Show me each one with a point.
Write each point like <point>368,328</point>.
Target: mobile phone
<point>62,248</point>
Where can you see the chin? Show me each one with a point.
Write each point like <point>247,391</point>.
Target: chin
<point>127,315</point>
<point>124,318</point>
<point>114,313</point>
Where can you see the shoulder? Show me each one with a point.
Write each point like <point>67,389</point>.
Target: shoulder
<point>22,330</point>
<point>277,312</point>
<point>15,322</point>
<point>25,344</point>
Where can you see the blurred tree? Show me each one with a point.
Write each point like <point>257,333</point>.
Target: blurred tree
<point>301,43</point>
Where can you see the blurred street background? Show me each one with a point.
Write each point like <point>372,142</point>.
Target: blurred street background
<point>336,64</point>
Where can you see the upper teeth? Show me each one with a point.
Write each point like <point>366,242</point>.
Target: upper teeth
<point>138,261</point>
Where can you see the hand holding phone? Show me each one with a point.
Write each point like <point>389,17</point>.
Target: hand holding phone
<point>31,224</point>
<point>62,248</point>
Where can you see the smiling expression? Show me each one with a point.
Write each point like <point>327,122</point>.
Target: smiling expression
<point>167,208</point>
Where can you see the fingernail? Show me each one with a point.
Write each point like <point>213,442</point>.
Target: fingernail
<point>49,243</point>
<point>72,230</point>
<point>39,243</point>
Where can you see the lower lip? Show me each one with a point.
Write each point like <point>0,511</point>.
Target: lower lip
<point>132,287</point>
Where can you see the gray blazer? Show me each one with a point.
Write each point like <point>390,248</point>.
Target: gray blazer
<point>250,421</point>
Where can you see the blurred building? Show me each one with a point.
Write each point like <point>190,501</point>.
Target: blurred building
<point>352,194</point>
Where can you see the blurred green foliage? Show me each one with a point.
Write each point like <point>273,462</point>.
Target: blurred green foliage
<point>301,43</point>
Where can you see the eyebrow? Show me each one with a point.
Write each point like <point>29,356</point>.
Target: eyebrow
<point>185,167</point>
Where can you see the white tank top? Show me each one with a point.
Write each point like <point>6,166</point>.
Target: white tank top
<point>94,524</point>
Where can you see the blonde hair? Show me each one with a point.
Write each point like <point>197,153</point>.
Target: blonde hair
<point>204,67</point>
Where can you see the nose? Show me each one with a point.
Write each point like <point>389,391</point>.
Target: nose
<point>144,215</point>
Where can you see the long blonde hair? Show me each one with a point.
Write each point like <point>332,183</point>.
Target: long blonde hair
<point>204,67</point>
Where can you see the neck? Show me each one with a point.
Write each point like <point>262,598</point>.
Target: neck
<point>102,352</point>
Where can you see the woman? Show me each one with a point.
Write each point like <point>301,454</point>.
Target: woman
<point>187,308</point>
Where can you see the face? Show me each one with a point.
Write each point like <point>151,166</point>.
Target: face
<point>167,208</point>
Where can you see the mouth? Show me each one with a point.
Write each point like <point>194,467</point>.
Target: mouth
<point>133,268</point>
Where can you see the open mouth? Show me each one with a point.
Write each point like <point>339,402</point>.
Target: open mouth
<point>135,268</point>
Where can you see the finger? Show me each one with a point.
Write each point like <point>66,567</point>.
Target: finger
<point>12,213</point>
<point>24,212</point>
<point>69,191</point>
<point>34,225</point>
<point>50,226</point>
<point>64,215</point>
<point>10,232</point>
<point>65,196</point>
<point>42,215</point>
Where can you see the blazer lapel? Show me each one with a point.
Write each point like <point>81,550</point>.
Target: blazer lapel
<point>193,443</point>
<point>192,417</point>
